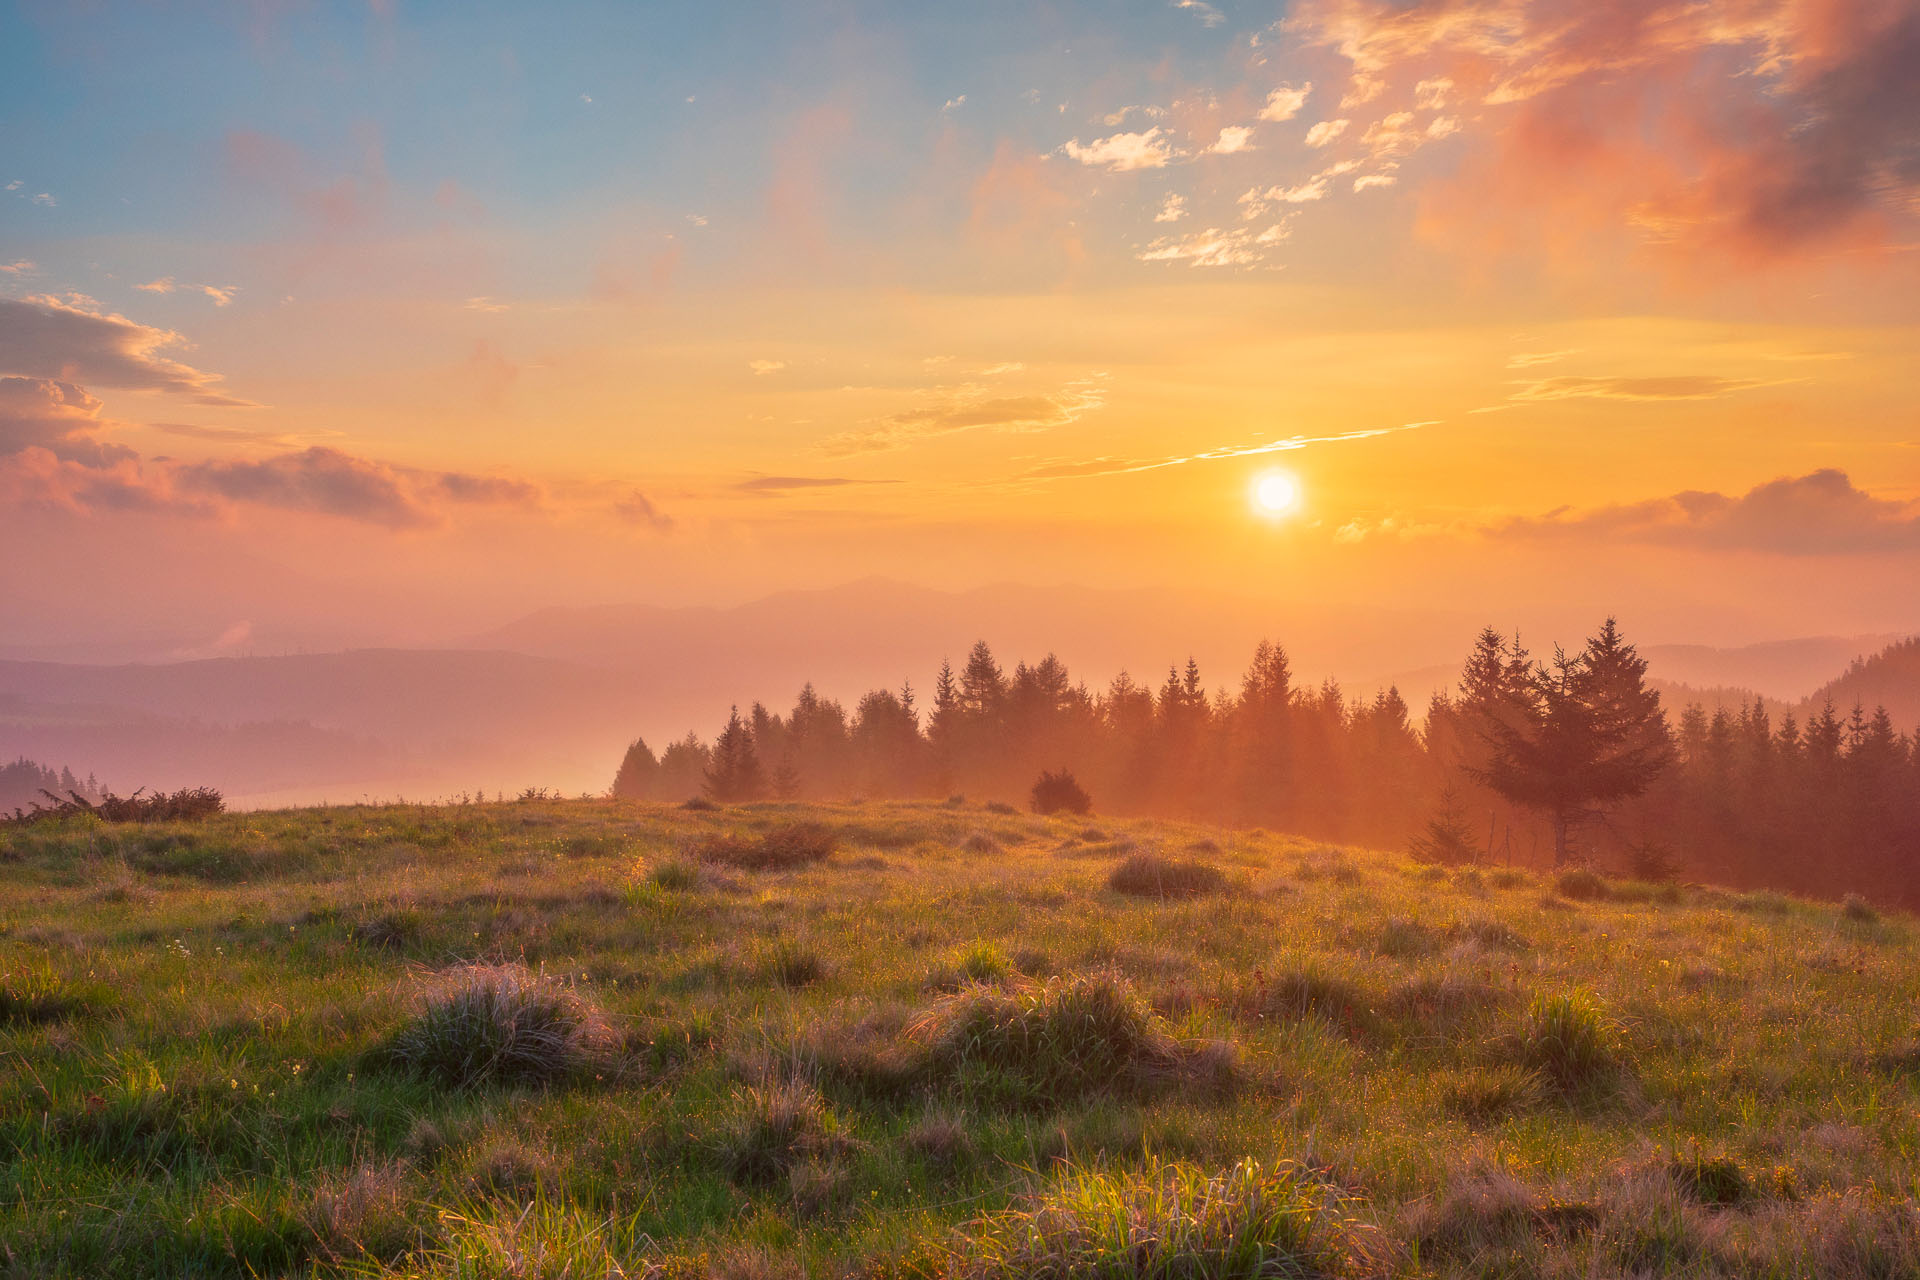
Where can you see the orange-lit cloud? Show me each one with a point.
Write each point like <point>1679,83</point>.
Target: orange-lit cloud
<point>45,337</point>
<point>1753,130</point>
<point>1817,514</point>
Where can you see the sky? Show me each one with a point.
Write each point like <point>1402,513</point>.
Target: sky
<point>364,323</point>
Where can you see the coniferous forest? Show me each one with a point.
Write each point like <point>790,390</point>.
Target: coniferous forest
<point>1533,760</point>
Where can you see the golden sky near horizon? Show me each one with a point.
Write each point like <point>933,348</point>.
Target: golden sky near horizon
<point>346,322</point>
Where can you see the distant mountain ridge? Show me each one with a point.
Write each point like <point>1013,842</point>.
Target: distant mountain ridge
<point>551,699</point>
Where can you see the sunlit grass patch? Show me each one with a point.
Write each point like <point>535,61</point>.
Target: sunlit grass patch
<point>1569,1037</point>
<point>32,995</point>
<point>485,1024</point>
<point>1172,1220</point>
<point>1047,1043</point>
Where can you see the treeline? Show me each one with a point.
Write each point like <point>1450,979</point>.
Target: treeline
<point>1527,762</point>
<point>24,782</point>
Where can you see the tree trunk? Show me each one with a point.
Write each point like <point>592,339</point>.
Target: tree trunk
<point>1560,824</point>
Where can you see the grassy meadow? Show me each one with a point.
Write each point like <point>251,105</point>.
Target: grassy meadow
<point>596,1038</point>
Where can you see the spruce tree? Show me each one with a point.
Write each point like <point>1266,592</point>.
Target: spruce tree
<point>734,775</point>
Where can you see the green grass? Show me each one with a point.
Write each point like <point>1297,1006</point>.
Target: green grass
<point>600,1038</point>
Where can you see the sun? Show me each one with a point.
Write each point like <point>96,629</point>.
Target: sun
<point>1277,493</point>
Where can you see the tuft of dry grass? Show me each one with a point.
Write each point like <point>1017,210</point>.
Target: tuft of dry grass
<point>794,845</point>
<point>1148,875</point>
<point>485,1024</point>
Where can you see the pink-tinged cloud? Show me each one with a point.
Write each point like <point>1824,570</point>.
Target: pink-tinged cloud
<point>1737,132</point>
<point>43,337</point>
<point>328,482</point>
<point>44,413</point>
<point>1821,513</point>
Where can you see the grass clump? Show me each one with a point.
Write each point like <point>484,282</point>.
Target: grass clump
<point>1858,909</point>
<point>1718,1181</point>
<point>675,875</point>
<point>792,963</point>
<point>1581,884</point>
<point>981,842</point>
<point>36,997</point>
<point>1169,1221</point>
<point>505,1024</point>
<point>1308,992</point>
<point>1491,1093</point>
<point>1148,875</point>
<point>778,1129</point>
<point>794,845</point>
<point>1048,1043</point>
<point>1568,1037</point>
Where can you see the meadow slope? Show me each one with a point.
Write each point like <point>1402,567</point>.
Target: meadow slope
<point>595,1038</point>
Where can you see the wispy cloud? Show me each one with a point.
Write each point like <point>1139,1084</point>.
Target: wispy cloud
<point>1326,132</point>
<point>785,484</point>
<point>1172,209</point>
<point>761,368</point>
<point>1238,247</point>
<point>1208,15</point>
<point>1676,387</point>
<point>973,408</point>
<point>1110,466</point>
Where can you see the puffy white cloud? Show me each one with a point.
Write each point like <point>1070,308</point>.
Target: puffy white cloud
<point>1325,132</point>
<point>1123,152</point>
<point>1285,102</point>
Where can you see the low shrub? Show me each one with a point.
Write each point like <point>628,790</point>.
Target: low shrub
<point>1568,1037</point>
<point>1167,1220</point>
<point>1147,875</point>
<point>1060,793</point>
<point>700,804</point>
<point>189,804</point>
<point>486,1024</point>
<point>1000,807</point>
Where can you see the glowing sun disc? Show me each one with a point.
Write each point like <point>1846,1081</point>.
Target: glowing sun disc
<point>1277,492</point>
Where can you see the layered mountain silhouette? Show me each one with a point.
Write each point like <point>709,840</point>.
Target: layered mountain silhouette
<point>551,699</point>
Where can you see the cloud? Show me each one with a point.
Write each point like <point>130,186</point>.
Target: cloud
<point>1367,181</point>
<point>1172,209</point>
<point>1820,513</point>
<point>763,367</point>
<point>972,408</point>
<point>954,103</point>
<point>163,285</point>
<point>18,267</point>
<point>1526,359</point>
<point>485,305</point>
<point>1240,247</point>
<point>1285,102</point>
<point>1324,133</point>
<point>1234,137</point>
<point>1005,366</point>
<point>59,417</point>
<point>638,509</point>
<point>46,338</point>
<point>783,484</point>
<point>1208,15</point>
<point>329,482</point>
<point>1109,466</point>
<point>1729,133</point>
<point>1124,152</point>
<point>236,435</point>
<point>221,294</point>
<point>319,480</point>
<point>1678,387</point>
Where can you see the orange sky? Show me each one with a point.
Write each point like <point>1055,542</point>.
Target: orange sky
<point>386,325</point>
